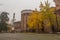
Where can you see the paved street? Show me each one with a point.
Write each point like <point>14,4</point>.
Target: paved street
<point>28,36</point>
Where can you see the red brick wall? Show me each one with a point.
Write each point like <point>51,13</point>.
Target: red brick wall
<point>57,3</point>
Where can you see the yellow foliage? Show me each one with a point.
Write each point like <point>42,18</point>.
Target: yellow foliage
<point>48,24</point>
<point>45,15</point>
<point>52,9</point>
<point>34,19</point>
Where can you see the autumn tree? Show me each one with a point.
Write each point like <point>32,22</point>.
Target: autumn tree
<point>42,19</point>
<point>32,20</point>
<point>48,15</point>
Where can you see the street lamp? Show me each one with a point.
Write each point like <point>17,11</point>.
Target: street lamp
<point>56,21</point>
<point>57,12</point>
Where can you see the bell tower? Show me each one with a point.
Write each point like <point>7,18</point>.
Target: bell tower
<point>57,3</point>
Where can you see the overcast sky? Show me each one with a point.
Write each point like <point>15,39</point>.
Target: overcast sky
<point>16,6</point>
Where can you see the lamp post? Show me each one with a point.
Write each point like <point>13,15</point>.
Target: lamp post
<point>56,20</point>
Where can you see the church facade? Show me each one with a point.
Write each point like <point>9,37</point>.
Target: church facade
<point>26,13</point>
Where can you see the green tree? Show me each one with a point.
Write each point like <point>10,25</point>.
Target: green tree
<point>3,21</point>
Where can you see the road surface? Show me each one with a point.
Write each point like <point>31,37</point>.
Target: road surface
<point>28,36</point>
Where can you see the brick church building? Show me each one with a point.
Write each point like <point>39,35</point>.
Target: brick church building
<point>26,13</point>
